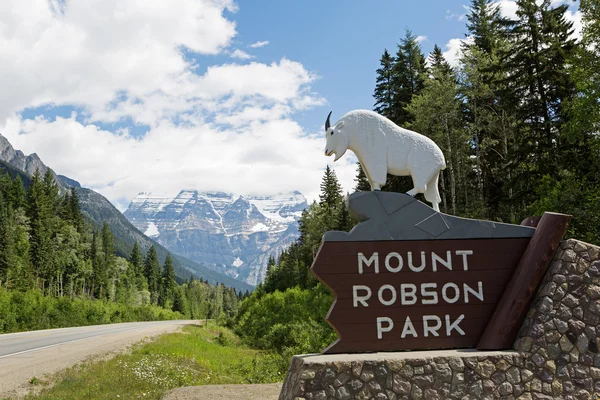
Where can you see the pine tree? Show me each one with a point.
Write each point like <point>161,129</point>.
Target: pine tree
<point>490,122</point>
<point>362,183</point>
<point>540,86</point>
<point>331,191</point>
<point>98,272</point>
<point>345,222</point>
<point>485,25</point>
<point>168,282</point>
<point>65,208</point>
<point>437,114</point>
<point>583,111</point>
<point>7,245</point>
<point>75,206</point>
<point>438,62</point>
<point>384,90</point>
<point>152,273</point>
<point>39,212</point>
<point>135,259</point>
<point>51,191</point>
<point>408,77</point>
<point>17,193</point>
<point>108,259</point>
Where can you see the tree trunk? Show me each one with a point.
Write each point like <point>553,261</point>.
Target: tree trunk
<point>443,185</point>
<point>451,168</point>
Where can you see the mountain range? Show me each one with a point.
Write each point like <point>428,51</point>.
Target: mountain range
<point>231,234</point>
<point>97,209</point>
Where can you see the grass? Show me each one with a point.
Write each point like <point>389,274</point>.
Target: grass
<point>196,356</point>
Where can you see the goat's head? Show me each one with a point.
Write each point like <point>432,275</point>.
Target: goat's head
<point>337,139</point>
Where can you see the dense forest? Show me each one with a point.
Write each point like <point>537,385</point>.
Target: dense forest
<point>518,122</point>
<point>55,270</point>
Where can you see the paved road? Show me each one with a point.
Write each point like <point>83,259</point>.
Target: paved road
<point>34,354</point>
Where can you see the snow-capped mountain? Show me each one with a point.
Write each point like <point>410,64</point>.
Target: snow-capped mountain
<point>232,234</point>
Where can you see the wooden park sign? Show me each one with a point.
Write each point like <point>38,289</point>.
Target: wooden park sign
<point>408,277</point>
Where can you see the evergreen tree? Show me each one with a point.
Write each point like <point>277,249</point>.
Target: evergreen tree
<point>7,246</point>
<point>331,191</point>
<point>345,222</point>
<point>17,193</point>
<point>39,212</point>
<point>485,25</point>
<point>65,208</point>
<point>168,282</point>
<point>51,191</point>
<point>540,86</point>
<point>108,260</point>
<point>99,267</point>
<point>135,259</point>
<point>384,90</point>
<point>490,122</point>
<point>438,62</point>
<point>437,113</point>
<point>408,77</point>
<point>152,273</point>
<point>75,206</point>
<point>583,111</point>
<point>180,302</point>
<point>362,183</point>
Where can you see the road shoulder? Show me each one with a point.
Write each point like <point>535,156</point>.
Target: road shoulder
<point>22,374</point>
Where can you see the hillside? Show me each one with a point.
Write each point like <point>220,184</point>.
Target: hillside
<point>97,209</point>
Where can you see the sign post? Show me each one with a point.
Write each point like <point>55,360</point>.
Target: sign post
<point>408,277</point>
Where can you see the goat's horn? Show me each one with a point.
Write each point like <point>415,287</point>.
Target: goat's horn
<point>327,123</point>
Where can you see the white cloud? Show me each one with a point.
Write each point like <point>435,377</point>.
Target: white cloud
<point>241,54</point>
<point>96,48</point>
<point>575,17</point>
<point>421,38</point>
<point>261,43</point>
<point>455,15</point>
<point>270,154</point>
<point>453,50</point>
<point>508,9</point>
<point>228,128</point>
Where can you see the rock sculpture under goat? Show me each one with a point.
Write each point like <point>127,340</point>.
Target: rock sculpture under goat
<point>384,148</point>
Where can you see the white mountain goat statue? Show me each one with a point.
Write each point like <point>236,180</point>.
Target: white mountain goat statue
<point>383,147</point>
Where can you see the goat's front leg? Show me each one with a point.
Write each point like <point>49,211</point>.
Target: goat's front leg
<point>375,186</point>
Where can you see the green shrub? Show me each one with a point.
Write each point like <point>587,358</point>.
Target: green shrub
<point>23,311</point>
<point>288,322</point>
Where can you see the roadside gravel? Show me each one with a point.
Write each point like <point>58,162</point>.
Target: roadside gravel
<point>226,392</point>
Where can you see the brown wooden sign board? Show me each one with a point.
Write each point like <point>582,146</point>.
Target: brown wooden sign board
<point>414,294</point>
<point>395,295</point>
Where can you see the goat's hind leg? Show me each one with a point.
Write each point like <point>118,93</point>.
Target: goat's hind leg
<point>420,187</point>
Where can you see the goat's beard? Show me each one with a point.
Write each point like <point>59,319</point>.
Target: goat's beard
<point>337,157</point>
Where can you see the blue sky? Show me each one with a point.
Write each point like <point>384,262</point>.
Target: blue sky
<point>224,95</point>
<point>342,41</point>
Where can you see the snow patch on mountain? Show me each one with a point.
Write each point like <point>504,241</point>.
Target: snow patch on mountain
<point>237,262</point>
<point>152,230</point>
<point>260,227</point>
<point>233,234</point>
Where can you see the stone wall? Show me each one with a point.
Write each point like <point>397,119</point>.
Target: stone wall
<point>555,354</point>
<point>562,329</point>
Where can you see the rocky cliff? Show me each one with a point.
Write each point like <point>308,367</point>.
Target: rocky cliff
<point>232,234</point>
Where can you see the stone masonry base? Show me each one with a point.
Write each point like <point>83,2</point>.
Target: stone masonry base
<point>555,354</point>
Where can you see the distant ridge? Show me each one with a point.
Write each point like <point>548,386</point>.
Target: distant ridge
<point>232,234</point>
<point>97,209</point>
